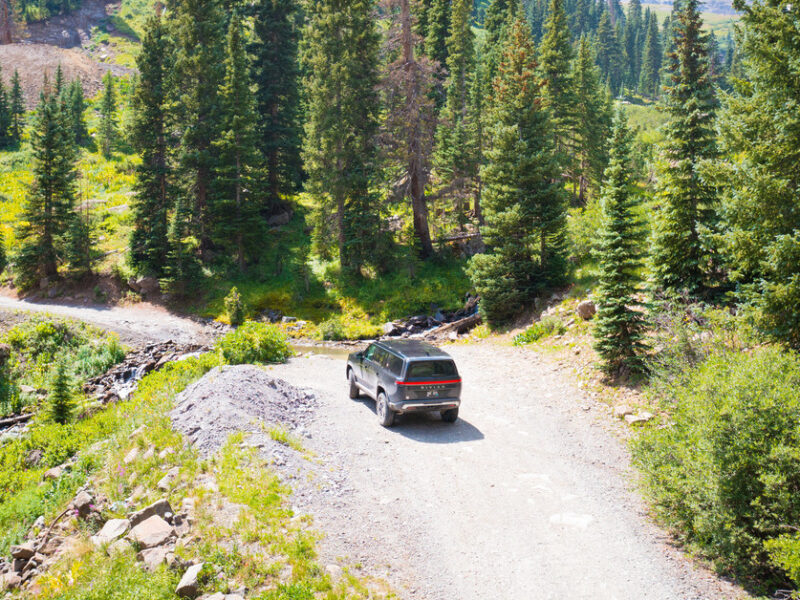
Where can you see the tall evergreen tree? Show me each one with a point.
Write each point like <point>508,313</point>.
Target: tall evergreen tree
<point>455,156</point>
<point>592,122</point>
<point>760,140</point>
<point>238,223</point>
<point>5,116</point>
<point>17,109</point>
<point>340,59</point>
<point>277,78</point>
<point>76,104</point>
<point>438,22</point>
<point>524,200</point>
<point>555,57</point>
<point>609,54</point>
<point>682,259</point>
<point>650,77</point>
<point>108,115</point>
<point>619,326</point>
<point>634,34</point>
<point>411,115</point>
<point>62,402</point>
<point>49,207</point>
<point>149,243</point>
<point>59,84</point>
<point>198,30</point>
<point>3,257</point>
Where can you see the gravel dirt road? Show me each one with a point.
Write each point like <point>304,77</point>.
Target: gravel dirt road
<point>527,496</point>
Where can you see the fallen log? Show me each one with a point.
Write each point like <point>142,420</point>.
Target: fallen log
<point>14,420</point>
<point>460,326</point>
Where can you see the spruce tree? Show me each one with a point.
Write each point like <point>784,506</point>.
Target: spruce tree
<point>62,402</point>
<point>48,210</point>
<point>682,259</point>
<point>555,56</point>
<point>456,164</point>
<point>650,77</point>
<point>277,79</point>
<point>340,60</point>
<point>759,176</point>
<point>238,223</point>
<point>592,122</point>
<point>609,54</point>
<point>5,116</point>
<point>17,109</point>
<point>183,270</point>
<point>3,257</point>
<point>634,34</point>
<point>107,129</point>
<point>524,201</point>
<point>619,325</point>
<point>77,109</point>
<point>438,21</point>
<point>154,187</point>
<point>59,84</point>
<point>198,30</point>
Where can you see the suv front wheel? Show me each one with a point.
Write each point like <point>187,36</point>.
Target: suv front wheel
<point>354,391</point>
<point>385,414</point>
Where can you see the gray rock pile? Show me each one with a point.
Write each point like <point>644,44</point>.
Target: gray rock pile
<point>439,324</point>
<point>238,398</point>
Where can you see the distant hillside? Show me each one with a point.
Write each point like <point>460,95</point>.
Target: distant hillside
<point>717,7</point>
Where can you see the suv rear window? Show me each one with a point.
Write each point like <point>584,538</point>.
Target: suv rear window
<point>431,368</point>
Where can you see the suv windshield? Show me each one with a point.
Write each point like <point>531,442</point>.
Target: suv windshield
<point>431,368</point>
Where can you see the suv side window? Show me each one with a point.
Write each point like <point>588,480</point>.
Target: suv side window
<point>394,364</point>
<point>380,356</point>
<point>370,353</point>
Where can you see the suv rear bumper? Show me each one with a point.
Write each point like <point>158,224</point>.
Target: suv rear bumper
<point>403,406</point>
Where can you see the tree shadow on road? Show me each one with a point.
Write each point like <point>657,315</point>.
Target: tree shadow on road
<point>429,427</point>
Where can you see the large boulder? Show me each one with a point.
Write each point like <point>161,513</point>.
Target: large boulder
<point>111,531</point>
<point>153,531</point>
<point>160,508</point>
<point>586,310</point>
<point>144,285</point>
<point>189,586</point>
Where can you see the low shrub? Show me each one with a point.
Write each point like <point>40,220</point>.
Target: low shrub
<point>254,343</point>
<point>725,474</point>
<point>546,327</point>
<point>332,329</point>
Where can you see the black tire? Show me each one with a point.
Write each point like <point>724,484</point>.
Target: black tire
<point>450,416</point>
<point>354,391</point>
<point>385,414</point>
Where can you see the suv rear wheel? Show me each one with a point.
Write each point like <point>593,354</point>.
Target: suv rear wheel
<point>354,391</point>
<point>385,414</point>
<point>450,416</point>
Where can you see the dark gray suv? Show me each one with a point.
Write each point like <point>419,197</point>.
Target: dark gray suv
<point>406,376</point>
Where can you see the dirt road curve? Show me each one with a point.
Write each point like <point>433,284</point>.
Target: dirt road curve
<point>136,324</point>
<point>525,497</point>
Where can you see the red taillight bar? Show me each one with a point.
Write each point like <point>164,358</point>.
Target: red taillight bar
<point>428,382</point>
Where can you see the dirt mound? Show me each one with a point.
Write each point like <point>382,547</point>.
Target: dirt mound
<point>246,398</point>
<point>33,61</point>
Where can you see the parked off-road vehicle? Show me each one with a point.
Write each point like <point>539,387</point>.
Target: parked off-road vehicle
<point>406,376</point>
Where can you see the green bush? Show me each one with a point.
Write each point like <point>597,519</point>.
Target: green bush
<point>541,329</point>
<point>62,402</point>
<point>254,343</point>
<point>725,474</point>
<point>234,307</point>
<point>332,329</point>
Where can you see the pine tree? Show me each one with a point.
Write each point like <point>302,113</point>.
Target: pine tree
<point>49,205</point>
<point>340,59</point>
<point>650,77</point>
<point>62,402</point>
<point>456,164</point>
<point>3,257</point>
<point>524,200</point>
<point>592,122</point>
<point>154,187</point>
<point>183,269</point>
<point>277,78</point>
<point>238,223</point>
<point>759,176</point>
<point>634,33</point>
<point>17,108</point>
<point>108,115</point>
<point>619,325</point>
<point>198,30</point>
<point>500,15</point>
<point>438,18</point>
<point>5,116</point>
<point>681,257</point>
<point>609,54</point>
<point>410,115</point>
<point>555,56</point>
<point>77,109</point>
<point>59,83</point>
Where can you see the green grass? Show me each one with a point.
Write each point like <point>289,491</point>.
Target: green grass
<point>283,436</point>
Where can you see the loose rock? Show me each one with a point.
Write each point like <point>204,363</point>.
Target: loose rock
<point>586,310</point>
<point>23,551</point>
<point>188,586</point>
<point>111,531</point>
<point>152,532</point>
<point>160,508</point>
